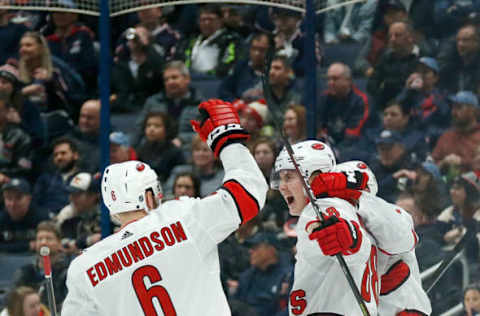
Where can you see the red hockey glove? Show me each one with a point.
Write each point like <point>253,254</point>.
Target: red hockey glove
<point>219,125</point>
<point>346,194</point>
<point>336,235</point>
<point>324,184</point>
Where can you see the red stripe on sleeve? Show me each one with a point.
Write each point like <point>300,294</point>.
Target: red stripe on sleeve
<point>247,205</point>
<point>394,277</point>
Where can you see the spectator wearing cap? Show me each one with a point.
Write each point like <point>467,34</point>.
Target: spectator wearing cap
<point>427,187</point>
<point>343,108</point>
<point>19,218</point>
<point>428,105</point>
<point>179,100</point>
<point>157,149</point>
<point>460,61</point>
<point>79,221</point>
<point>20,112</point>
<point>394,154</point>
<point>50,190</point>
<point>262,285</point>
<point>247,73</point>
<point>464,213</point>
<point>290,40</point>
<point>253,116</point>
<point>15,148</point>
<point>72,41</point>
<point>456,147</point>
<point>120,149</point>
<point>10,34</point>
<point>214,50</point>
<point>31,274</point>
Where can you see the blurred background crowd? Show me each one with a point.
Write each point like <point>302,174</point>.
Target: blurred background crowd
<point>398,88</point>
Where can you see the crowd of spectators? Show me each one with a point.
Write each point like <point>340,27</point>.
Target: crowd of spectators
<point>407,105</point>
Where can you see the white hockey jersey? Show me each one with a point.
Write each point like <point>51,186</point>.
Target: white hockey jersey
<point>166,263</point>
<point>319,283</point>
<point>393,230</point>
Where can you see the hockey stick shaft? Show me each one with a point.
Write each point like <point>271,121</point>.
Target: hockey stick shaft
<point>277,118</point>
<point>47,268</point>
<point>448,260</point>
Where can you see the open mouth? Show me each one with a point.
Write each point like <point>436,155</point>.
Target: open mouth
<point>290,200</point>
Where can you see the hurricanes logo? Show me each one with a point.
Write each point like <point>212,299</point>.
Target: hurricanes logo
<point>140,166</point>
<point>318,146</point>
<point>361,165</point>
<point>113,195</point>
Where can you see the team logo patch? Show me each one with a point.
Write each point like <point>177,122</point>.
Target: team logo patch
<point>318,146</point>
<point>361,165</point>
<point>140,166</point>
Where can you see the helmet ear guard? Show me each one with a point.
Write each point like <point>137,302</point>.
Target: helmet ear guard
<point>310,155</point>
<point>124,186</point>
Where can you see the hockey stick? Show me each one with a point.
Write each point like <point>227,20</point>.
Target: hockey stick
<point>277,118</point>
<point>47,268</point>
<point>448,260</point>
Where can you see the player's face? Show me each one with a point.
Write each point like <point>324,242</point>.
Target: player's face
<point>31,305</point>
<point>155,129</point>
<point>292,191</point>
<point>48,239</point>
<point>472,300</point>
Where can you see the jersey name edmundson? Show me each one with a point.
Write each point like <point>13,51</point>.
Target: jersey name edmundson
<point>136,251</point>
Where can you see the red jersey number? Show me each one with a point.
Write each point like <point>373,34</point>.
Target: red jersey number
<point>298,302</point>
<point>370,277</point>
<point>145,296</point>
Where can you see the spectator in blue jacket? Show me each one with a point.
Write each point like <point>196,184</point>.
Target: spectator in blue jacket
<point>10,35</point>
<point>19,218</point>
<point>241,84</point>
<point>343,108</point>
<point>72,42</point>
<point>261,285</point>
<point>50,190</point>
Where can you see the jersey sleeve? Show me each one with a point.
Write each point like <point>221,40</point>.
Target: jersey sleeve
<point>77,301</point>
<point>390,225</point>
<point>240,198</point>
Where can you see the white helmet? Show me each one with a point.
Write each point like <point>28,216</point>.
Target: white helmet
<point>311,156</point>
<point>357,165</point>
<point>124,186</point>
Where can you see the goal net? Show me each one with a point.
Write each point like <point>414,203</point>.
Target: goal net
<point>118,7</point>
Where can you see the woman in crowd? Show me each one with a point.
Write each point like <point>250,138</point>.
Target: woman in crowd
<point>294,123</point>
<point>471,300</point>
<point>24,301</point>
<point>157,148</point>
<point>186,184</point>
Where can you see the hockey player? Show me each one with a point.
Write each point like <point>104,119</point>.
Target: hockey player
<point>319,287</point>
<point>401,291</point>
<point>164,260</point>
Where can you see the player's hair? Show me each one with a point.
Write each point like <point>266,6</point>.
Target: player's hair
<point>168,123</point>
<point>179,65</point>
<point>195,181</point>
<point>65,140</point>
<point>24,74</point>
<point>15,300</point>
<point>49,226</point>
